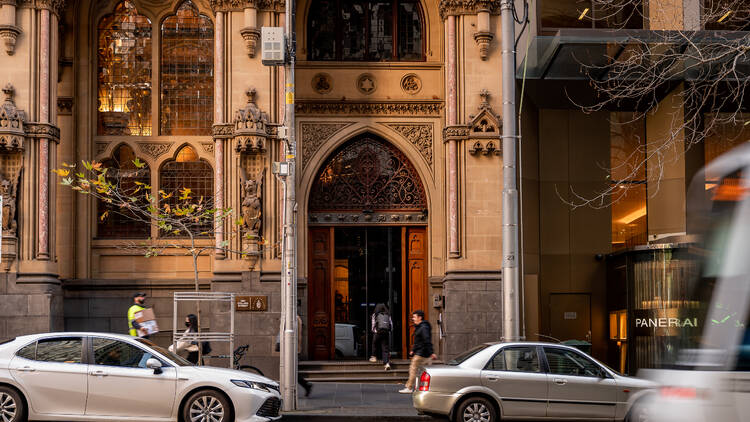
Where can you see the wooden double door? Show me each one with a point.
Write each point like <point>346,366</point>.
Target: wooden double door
<point>351,270</point>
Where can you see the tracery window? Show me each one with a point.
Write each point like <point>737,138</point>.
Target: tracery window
<point>365,30</point>
<point>368,174</point>
<point>187,91</point>
<point>118,223</point>
<point>187,170</point>
<point>124,72</point>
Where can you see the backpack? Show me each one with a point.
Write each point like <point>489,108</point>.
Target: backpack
<point>382,321</point>
<point>206,348</point>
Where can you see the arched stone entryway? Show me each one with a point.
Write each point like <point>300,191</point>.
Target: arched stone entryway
<point>367,244</point>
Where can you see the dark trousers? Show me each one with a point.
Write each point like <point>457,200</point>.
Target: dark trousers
<point>303,382</point>
<point>380,343</point>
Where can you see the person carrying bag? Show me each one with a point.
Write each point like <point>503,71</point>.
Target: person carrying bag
<point>382,325</point>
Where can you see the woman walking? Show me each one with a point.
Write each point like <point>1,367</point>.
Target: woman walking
<point>185,347</point>
<point>381,327</point>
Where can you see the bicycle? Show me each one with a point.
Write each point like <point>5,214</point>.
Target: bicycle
<point>239,353</point>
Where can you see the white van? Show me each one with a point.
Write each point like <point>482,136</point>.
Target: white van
<point>710,378</point>
<point>347,340</point>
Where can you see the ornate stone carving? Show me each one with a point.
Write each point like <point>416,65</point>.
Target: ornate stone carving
<point>485,129</point>
<point>224,130</point>
<point>12,122</point>
<point>208,147</point>
<point>411,84</point>
<point>252,206</point>
<point>322,83</point>
<point>101,147</point>
<point>250,126</point>
<point>314,135</point>
<point>65,105</point>
<point>251,36</point>
<point>56,6</point>
<point>483,40</point>
<point>366,84</point>
<point>420,135</point>
<point>396,108</point>
<point>154,149</point>
<point>457,133</point>
<point>467,7</point>
<point>43,130</point>
<point>227,5</point>
<point>9,35</point>
<point>9,190</point>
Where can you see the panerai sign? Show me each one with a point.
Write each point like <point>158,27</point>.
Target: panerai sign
<point>664,322</point>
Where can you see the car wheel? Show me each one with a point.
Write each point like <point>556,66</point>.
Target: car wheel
<point>638,413</point>
<point>207,406</point>
<point>476,409</point>
<point>11,406</point>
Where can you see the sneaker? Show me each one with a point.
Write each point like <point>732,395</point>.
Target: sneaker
<point>373,359</point>
<point>387,366</point>
<point>308,389</point>
<point>406,391</point>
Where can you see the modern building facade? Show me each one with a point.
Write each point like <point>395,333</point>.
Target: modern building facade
<point>399,167</point>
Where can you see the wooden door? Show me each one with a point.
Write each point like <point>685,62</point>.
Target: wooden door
<point>320,332</point>
<point>415,277</point>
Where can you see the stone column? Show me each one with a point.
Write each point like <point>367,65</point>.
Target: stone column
<point>452,119</point>
<point>219,118</point>
<point>9,32</point>
<point>44,118</point>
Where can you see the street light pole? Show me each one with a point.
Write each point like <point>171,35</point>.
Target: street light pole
<point>511,276</point>
<point>289,265</point>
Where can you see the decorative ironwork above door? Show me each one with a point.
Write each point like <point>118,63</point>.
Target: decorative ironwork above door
<point>367,180</point>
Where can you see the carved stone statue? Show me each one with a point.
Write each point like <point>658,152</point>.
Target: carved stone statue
<point>8,189</point>
<point>252,206</point>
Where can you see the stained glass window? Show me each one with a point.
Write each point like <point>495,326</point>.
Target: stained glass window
<point>373,30</point>
<point>124,72</point>
<point>368,174</point>
<point>187,170</point>
<point>114,222</point>
<point>187,73</point>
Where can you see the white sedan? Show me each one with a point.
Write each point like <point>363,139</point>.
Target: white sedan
<point>93,376</point>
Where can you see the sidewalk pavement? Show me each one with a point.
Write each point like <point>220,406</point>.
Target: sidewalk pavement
<point>360,402</point>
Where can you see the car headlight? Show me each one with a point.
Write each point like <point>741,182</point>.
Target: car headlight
<point>255,385</point>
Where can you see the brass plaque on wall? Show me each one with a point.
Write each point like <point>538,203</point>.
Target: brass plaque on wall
<point>251,303</point>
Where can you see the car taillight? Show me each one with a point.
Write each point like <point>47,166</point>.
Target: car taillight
<point>678,392</point>
<point>424,381</point>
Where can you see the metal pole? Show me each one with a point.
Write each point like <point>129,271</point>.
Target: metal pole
<point>289,269</point>
<point>511,315</point>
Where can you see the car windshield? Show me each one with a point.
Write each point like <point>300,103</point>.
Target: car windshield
<point>173,356</point>
<point>467,354</point>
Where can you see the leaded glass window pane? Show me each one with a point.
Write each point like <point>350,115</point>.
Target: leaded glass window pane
<point>381,31</point>
<point>353,21</point>
<point>409,31</point>
<point>187,73</point>
<point>188,171</point>
<point>124,72</point>
<point>321,30</point>
<point>114,222</point>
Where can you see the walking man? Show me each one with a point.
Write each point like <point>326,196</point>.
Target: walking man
<point>421,351</point>
<point>134,327</point>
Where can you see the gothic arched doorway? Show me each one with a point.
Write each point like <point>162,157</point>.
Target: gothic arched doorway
<point>367,216</point>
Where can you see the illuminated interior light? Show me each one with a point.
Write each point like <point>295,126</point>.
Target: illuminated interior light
<point>726,15</point>
<point>640,212</point>
<point>586,10</point>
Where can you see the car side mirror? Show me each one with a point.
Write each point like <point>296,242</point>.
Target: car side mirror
<point>154,364</point>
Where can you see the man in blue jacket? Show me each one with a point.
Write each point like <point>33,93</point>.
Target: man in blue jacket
<point>421,350</point>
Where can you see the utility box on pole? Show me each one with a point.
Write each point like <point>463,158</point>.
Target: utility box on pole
<point>273,46</point>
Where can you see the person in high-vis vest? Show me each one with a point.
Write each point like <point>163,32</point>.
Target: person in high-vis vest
<point>138,300</point>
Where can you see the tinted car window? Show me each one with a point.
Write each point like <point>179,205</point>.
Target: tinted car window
<point>515,359</point>
<point>111,352</point>
<point>467,354</point>
<point>28,351</point>
<point>67,350</point>
<point>565,362</point>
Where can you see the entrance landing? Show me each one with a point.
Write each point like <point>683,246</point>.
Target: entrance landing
<point>354,371</point>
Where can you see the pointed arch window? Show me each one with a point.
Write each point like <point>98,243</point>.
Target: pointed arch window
<point>187,72</point>
<point>120,223</point>
<point>187,170</point>
<point>365,30</point>
<point>124,72</point>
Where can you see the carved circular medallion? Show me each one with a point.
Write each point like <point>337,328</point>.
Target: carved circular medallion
<point>411,84</point>
<point>366,84</point>
<point>322,83</point>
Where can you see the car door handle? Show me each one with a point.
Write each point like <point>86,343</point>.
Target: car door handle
<point>560,381</point>
<point>26,369</point>
<point>492,379</point>
<point>99,373</point>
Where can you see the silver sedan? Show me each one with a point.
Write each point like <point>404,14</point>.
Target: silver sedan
<point>93,377</point>
<point>526,381</point>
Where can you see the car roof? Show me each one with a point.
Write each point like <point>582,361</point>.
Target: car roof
<point>73,334</point>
